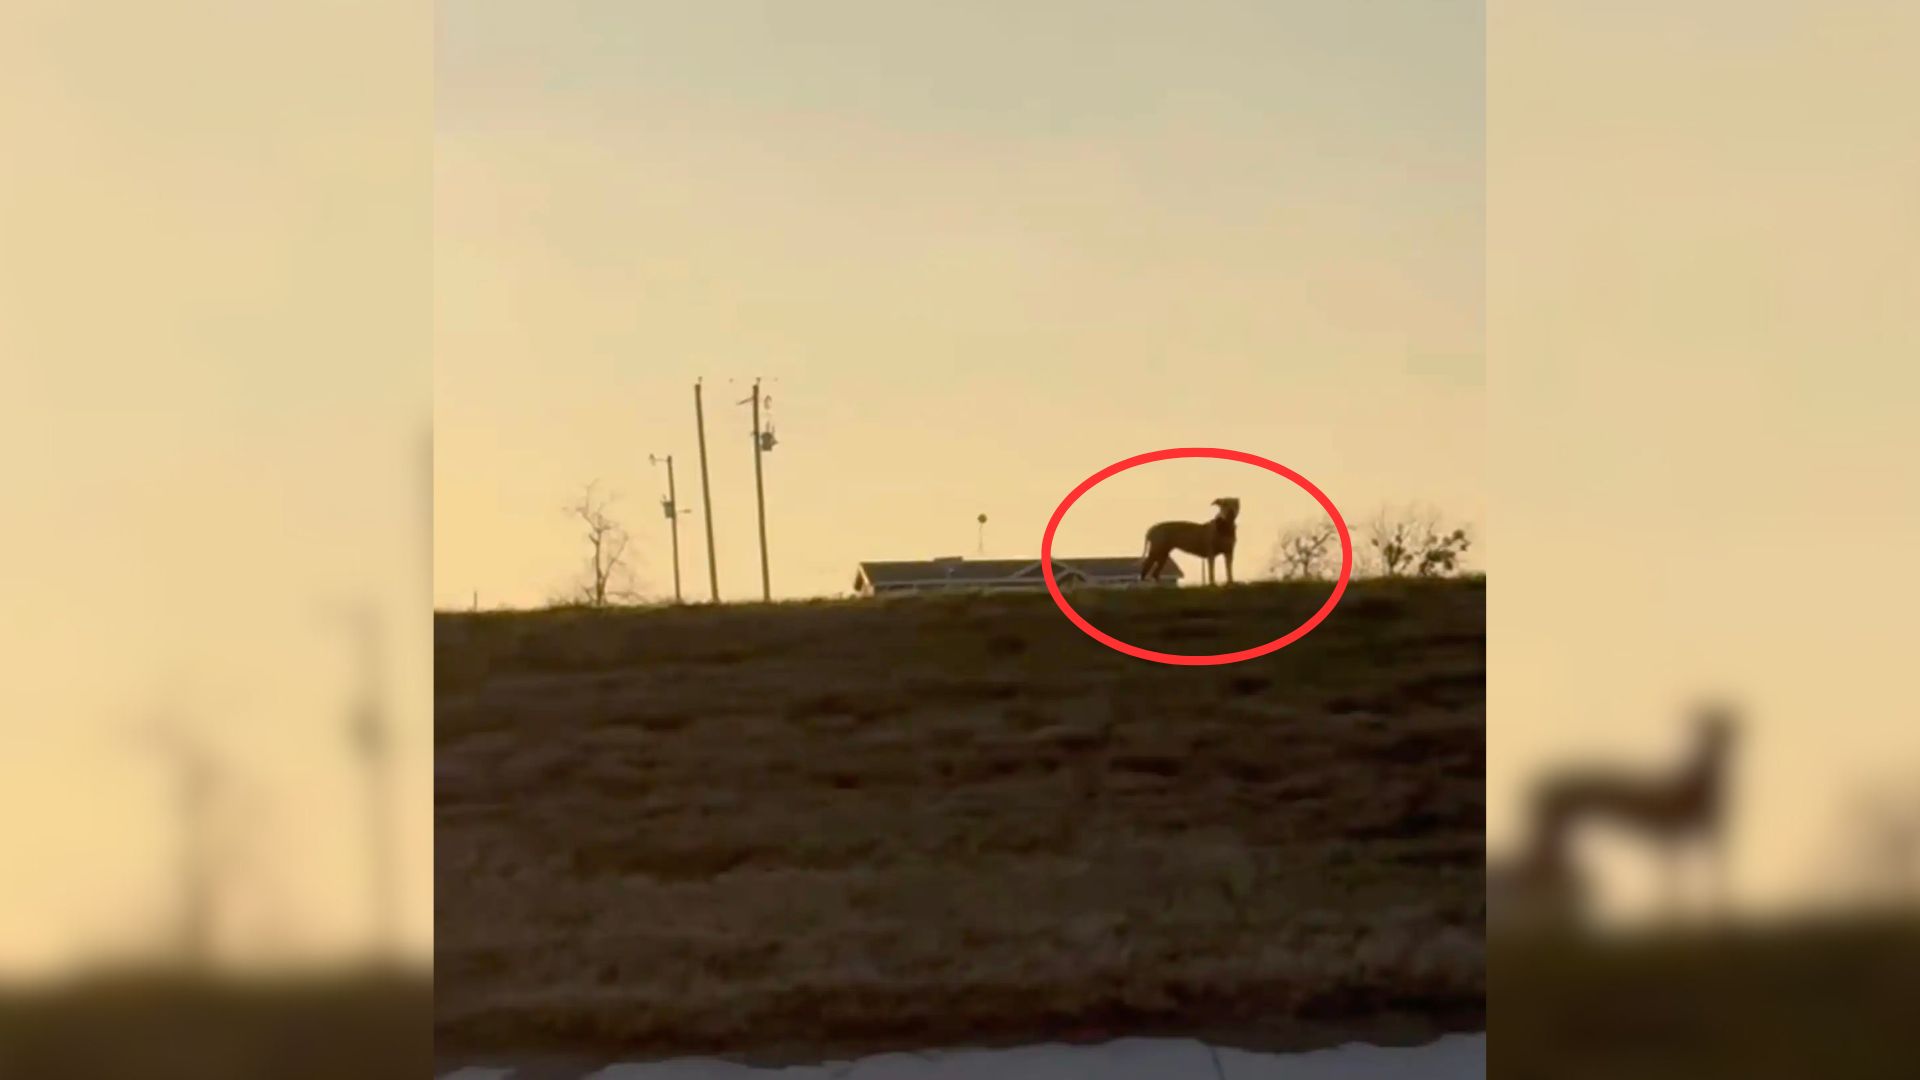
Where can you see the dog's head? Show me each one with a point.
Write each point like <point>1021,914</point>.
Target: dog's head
<point>1229,507</point>
<point>1716,722</point>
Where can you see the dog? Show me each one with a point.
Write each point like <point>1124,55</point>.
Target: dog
<point>1207,540</point>
<point>1670,810</point>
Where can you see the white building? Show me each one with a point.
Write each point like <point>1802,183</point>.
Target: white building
<point>1002,575</point>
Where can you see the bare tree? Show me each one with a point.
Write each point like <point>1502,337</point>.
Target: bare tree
<point>1303,551</point>
<point>1414,542</point>
<point>607,576</point>
<point>1886,843</point>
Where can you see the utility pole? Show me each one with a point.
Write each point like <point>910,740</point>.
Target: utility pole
<point>762,442</point>
<point>706,492</point>
<point>371,737</point>
<point>671,505</point>
<point>197,779</point>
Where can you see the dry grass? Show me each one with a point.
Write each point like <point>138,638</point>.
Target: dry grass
<point>804,829</point>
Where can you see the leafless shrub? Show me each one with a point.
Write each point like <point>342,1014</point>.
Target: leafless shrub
<point>1304,552</point>
<point>1414,542</point>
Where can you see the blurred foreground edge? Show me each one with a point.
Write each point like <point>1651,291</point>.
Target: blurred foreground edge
<point>1828,996</point>
<point>174,1026</point>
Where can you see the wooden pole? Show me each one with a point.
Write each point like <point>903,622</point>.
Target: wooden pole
<point>760,496</point>
<point>706,491</point>
<point>374,743</point>
<point>673,512</point>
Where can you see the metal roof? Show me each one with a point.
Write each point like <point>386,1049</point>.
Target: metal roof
<point>987,571</point>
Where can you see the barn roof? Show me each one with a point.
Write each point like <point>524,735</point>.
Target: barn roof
<point>982,571</point>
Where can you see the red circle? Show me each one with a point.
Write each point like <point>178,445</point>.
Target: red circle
<point>1209,659</point>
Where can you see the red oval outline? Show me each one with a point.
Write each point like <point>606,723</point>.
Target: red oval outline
<point>1202,659</point>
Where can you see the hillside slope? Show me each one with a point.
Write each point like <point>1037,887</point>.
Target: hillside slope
<point>796,830</point>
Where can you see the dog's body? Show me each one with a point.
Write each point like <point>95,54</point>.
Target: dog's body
<point>1687,805</point>
<point>1208,540</point>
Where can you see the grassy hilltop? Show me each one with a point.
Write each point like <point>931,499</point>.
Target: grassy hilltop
<point>794,830</point>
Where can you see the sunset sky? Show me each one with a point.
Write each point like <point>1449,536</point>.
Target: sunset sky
<point>1701,272</point>
<point>981,250</point>
<point>214,337</point>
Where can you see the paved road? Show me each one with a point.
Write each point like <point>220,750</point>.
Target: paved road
<point>1455,1057</point>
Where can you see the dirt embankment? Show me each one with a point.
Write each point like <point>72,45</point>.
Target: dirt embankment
<point>813,829</point>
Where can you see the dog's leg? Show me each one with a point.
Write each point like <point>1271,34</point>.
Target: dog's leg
<point>1670,891</point>
<point>1721,875</point>
<point>1229,557</point>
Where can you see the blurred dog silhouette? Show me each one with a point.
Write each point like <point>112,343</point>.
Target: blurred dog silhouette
<point>1676,810</point>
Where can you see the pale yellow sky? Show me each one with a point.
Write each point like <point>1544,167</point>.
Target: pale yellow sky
<point>984,251</point>
<point>1701,272</point>
<point>214,343</point>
